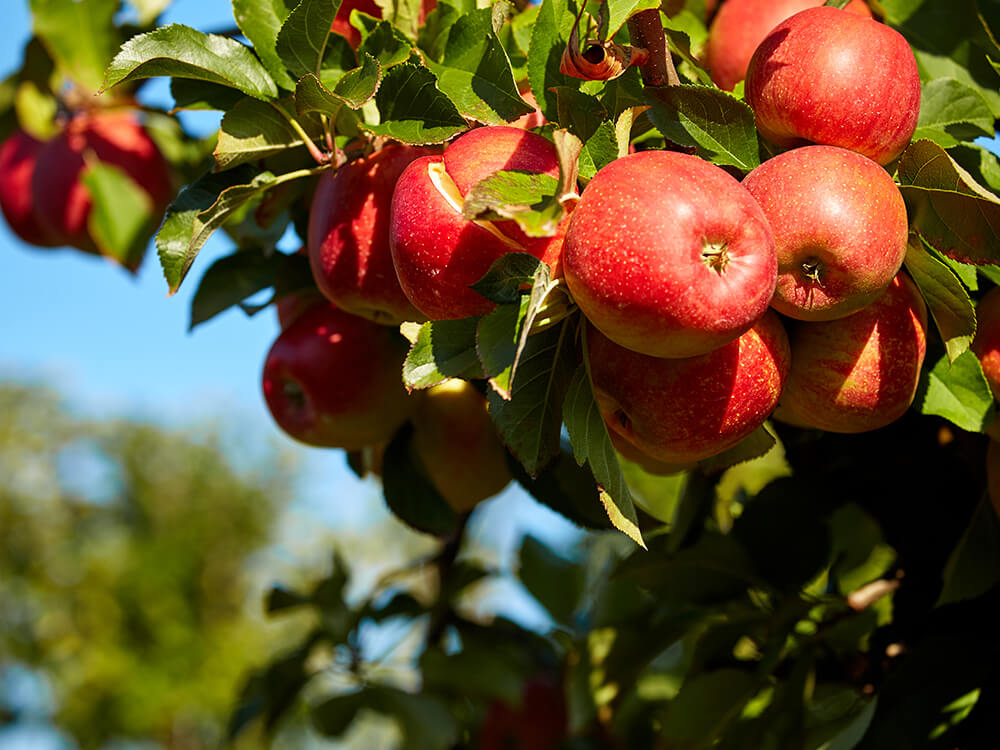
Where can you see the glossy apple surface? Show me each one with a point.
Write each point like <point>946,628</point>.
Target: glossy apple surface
<point>839,225</point>
<point>437,253</point>
<point>457,444</point>
<point>349,236</point>
<point>741,25</point>
<point>986,343</point>
<point>61,201</point>
<point>858,373</point>
<point>668,255</point>
<point>832,77</point>
<point>332,379</point>
<point>18,156</point>
<point>682,410</point>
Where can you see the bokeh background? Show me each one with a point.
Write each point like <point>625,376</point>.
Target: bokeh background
<point>140,475</point>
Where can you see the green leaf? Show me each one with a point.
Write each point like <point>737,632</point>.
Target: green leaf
<point>190,93</point>
<point>530,198</point>
<point>81,37</point>
<point>619,11</point>
<point>402,14</point>
<point>253,130</point>
<point>754,445</point>
<point>951,112</point>
<point>860,552</point>
<point>600,150</point>
<point>148,10</point>
<point>474,72</point>
<point>302,40</point>
<point>260,21</point>
<point>946,297</point>
<point>198,211</point>
<point>974,565</point>
<point>312,96</point>
<point>556,583</point>
<point>849,737</point>
<point>182,52</point>
<point>566,488</point>
<point>529,422</point>
<point>952,213</point>
<point>716,124</point>
<point>509,274</point>
<point>474,671</point>
<point>957,391</point>
<point>679,38</point>
<point>496,343</point>
<point>408,492</point>
<point>233,278</point>
<point>36,111</point>
<point>549,37</point>
<point>121,220</point>
<point>382,40</point>
<point>591,443</point>
<point>443,349</point>
<point>360,84</point>
<point>412,108</point>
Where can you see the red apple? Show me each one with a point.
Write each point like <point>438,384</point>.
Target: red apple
<point>741,25</point>
<point>839,226</point>
<point>457,444</point>
<point>437,253</point>
<point>342,23</point>
<point>540,723</point>
<point>832,77</point>
<point>333,379</point>
<point>669,255</point>
<point>349,236</point>
<point>61,201</point>
<point>18,156</point>
<point>858,373</point>
<point>650,465</point>
<point>533,119</point>
<point>986,343</point>
<point>682,410</point>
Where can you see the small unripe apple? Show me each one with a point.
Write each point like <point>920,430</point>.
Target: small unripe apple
<point>668,255</point>
<point>18,156</point>
<point>678,411</point>
<point>332,379</point>
<point>457,444</point>
<point>840,229</point>
<point>986,343</point>
<point>61,201</point>
<point>349,236</point>
<point>741,25</point>
<point>858,373</point>
<point>437,253</point>
<point>832,77</point>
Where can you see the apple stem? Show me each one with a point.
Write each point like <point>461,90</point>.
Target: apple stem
<point>647,32</point>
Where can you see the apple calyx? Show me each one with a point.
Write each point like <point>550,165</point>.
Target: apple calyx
<point>812,269</point>
<point>715,256</point>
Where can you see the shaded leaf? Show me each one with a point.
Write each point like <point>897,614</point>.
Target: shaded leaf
<point>549,36</point>
<point>302,39</point>
<point>81,37</point>
<point>946,297</point>
<point>190,93</point>
<point>412,108</point>
<point>974,565</point>
<point>508,276</point>
<point>383,41</point>
<point>951,112</point>
<point>754,445</point>
<point>408,492</point>
<point>182,52</point>
<point>443,349</point>
<point>556,583</point>
<point>260,21</point>
<point>496,343</point>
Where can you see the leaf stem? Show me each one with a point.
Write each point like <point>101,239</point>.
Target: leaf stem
<point>646,31</point>
<point>313,149</point>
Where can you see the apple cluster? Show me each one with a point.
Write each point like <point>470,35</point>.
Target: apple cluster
<point>42,193</point>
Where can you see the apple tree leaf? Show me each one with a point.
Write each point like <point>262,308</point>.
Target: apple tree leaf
<point>704,702</point>
<point>600,150</point>
<point>121,220</point>
<point>443,349</point>
<point>254,130</point>
<point>529,198</point>
<point>413,109</point>
<point>530,421</point>
<point>946,297</point>
<point>233,278</point>
<point>497,337</point>
<point>201,208</point>
<point>952,213</point>
<point>311,96</point>
<point>974,565</point>
<point>754,445</point>
<point>474,72</point>
<point>715,123</point>
<point>260,21</point>
<point>182,52</point>
<point>409,493</point>
<point>81,37</point>
<point>619,11</point>
<point>190,93</point>
<point>355,87</point>
<point>591,443</point>
<point>302,40</point>
<point>549,37</point>
<point>402,14</point>
<point>952,112</point>
<point>581,113</point>
<point>679,39</point>
<point>382,40</point>
<point>556,583</point>
<point>508,276</point>
<point>957,391</point>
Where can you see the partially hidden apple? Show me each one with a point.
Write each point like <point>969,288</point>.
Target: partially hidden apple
<point>342,23</point>
<point>839,225</point>
<point>349,236</point>
<point>438,254</point>
<point>18,156</point>
<point>678,411</point>
<point>986,343</point>
<point>858,373</point>
<point>669,255</point>
<point>60,199</point>
<point>541,722</point>
<point>828,76</point>
<point>741,25</point>
<point>332,379</point>
<point>458,446</point>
